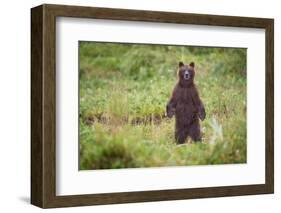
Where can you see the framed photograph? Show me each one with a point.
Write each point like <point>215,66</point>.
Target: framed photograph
<point>136,106</point>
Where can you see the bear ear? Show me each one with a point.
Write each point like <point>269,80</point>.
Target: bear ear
<point>192,64</point>
<point>181,64</point>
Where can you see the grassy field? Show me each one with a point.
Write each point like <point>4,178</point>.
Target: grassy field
<point>124,90</point>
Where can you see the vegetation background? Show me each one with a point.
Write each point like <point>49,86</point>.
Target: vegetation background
<point>124,89</point>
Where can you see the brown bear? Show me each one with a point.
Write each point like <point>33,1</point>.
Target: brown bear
<point>186,105</point>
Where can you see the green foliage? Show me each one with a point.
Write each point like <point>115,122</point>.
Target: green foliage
<point>124,89</point>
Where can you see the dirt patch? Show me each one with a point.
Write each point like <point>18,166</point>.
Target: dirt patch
<point>146,120</point>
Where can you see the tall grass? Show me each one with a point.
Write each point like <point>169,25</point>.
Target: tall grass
<point>123,93</point>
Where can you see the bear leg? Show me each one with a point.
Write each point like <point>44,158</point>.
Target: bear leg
<point>181,136</point>
<point>195,132</point>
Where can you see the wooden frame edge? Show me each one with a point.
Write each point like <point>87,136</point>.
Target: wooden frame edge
<point>36,106</point>
<point>153,196</point>
<point>269,137</point>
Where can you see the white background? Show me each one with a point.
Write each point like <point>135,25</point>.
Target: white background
<point>15,106</point>
<point>71,181</point>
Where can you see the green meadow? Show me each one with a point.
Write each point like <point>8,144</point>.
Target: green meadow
<point>124,89</point>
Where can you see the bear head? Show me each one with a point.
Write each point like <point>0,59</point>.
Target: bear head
<point>186,74</point>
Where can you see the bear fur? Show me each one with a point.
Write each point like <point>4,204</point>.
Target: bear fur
<point>186,105</point>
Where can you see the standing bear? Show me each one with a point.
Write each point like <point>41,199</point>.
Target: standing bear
<point>186,105</point>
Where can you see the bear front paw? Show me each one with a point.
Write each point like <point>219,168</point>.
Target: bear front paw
<point>170,112</point>
<point>202,114</point>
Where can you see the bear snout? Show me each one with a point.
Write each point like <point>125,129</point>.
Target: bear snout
<point>186,75</point>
